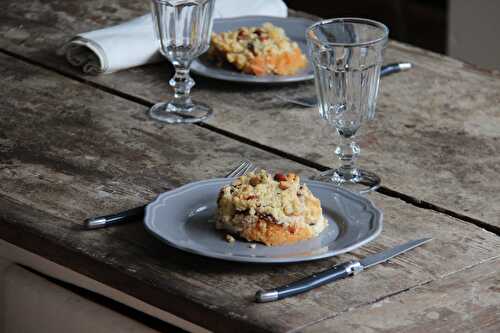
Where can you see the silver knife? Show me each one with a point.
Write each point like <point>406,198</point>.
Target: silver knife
<point>312,101</point>
<point>335,273</point>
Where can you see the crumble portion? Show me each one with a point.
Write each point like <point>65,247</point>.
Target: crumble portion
<point>264,50</point>
<point>258,203</point>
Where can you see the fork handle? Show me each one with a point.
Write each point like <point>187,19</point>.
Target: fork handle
<point>118,218</point>
<point>137,213</point>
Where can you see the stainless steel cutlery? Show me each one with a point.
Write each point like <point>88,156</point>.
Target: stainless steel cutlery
<point>138,212</point>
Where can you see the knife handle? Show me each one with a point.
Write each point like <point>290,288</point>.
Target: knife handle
<point>332,274</point>
<point>394,68</point>
<point>118,218</point>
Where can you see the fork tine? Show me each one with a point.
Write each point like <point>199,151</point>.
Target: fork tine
<point>253,169</point>
<point>242,166</point>
<point>237,169</point>
<point>245,170</point>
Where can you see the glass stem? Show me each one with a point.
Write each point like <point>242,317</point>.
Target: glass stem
<point>347,151</point>
<point>182,84</point>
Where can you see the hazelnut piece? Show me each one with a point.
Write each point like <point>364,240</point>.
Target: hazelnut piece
<point>280,177</point>
<point>254,181</point>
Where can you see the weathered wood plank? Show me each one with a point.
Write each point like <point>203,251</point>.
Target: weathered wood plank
<point>435,137</point>
<point>468,301</point>
<point>91,141</point>
<point>68,150</point>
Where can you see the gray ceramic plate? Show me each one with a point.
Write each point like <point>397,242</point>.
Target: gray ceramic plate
<point>295,29</point>
<point>184,218</point>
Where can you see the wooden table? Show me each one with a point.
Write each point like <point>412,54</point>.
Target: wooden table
<point>73,146</point>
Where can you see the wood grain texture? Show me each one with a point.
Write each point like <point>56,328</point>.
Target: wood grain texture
<point>69,150</point>
<point>436,135</point>
<point>468,301</point>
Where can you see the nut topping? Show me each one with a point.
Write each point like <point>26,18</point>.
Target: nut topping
<point>254,181</point>
<point>283,185</point>
<point>280,177</point>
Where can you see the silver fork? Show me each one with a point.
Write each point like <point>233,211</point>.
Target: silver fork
<point>137,213</point>
<point>244,167</point>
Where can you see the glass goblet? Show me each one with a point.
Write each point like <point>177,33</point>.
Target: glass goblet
<point>183,29</point>
<point>346,54</point>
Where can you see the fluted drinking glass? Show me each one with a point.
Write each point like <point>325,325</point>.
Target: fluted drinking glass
<point>182,28</point>
<point>346,54</point>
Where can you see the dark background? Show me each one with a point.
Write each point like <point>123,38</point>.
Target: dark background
<point>419,22</point>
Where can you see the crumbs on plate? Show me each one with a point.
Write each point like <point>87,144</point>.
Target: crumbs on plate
<point>229,238</point>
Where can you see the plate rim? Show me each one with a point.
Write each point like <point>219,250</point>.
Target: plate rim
<point>378,218</point>
<point>251,78</point>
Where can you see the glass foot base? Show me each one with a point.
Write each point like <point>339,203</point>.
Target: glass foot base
<point>362,182</point>
<point>172,114</point>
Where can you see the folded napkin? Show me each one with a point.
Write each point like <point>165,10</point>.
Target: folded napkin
<point>133,43</point>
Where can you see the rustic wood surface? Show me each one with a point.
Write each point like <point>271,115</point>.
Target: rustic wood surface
<point>468,301</point>
<point>435,138</point>
<point>71,149</point>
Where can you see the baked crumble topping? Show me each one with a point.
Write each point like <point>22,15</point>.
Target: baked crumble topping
<point>258,50</point>
<point>280,199</point>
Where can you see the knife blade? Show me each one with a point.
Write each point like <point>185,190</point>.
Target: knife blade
<point>337,272</point>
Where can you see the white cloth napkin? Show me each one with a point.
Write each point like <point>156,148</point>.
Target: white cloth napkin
<point>133,43</point>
